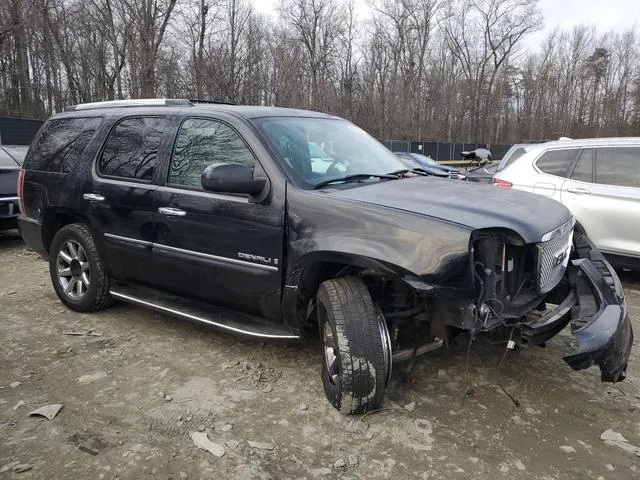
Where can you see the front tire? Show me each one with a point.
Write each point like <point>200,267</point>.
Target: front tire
<point>77,272</point>
<point>357,356</point>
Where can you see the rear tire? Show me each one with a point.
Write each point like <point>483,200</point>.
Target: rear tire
<point>357,355</point>
<point>77,272</point>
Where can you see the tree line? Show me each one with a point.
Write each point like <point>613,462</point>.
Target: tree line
<point>446,70</point>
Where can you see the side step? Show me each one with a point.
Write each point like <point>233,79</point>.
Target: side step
<point>200,312</point>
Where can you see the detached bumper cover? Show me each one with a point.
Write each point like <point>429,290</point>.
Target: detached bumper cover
<point>600,322</point>
<point>596,310</point>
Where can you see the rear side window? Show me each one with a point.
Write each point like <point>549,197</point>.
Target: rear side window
<point>557,162</point>
<point>583,172</point>
<point>60,144</point>
<point>131,149</point>
<point>618,166</point>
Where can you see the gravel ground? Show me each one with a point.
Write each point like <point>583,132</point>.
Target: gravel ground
<point>136,385</point>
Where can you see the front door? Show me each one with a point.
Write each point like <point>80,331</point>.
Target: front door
<point>217,248</point>
<point>120,198</point>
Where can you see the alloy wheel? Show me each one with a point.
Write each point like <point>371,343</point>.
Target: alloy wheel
<point>74,274</point>
<point>331,354</point>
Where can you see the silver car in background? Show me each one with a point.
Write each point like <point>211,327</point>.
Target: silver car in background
<point>597,179</point>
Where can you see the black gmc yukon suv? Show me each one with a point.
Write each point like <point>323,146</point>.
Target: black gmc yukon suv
<point>224,215</point>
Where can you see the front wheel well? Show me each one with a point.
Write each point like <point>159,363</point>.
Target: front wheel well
<point>391,293</point>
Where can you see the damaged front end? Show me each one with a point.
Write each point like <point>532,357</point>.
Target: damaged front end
<point>536,290</point>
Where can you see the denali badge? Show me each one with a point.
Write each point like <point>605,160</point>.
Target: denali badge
<point>258,258</point>
<point>559,257</point>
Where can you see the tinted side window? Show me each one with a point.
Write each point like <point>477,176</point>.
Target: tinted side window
<point>557,162</point>
<point>60,144</point>
<point>618,166</point>
<point>131,150</point>
<point>584,168</point>
<point>201,143</point>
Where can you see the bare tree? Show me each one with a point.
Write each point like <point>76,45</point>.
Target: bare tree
<point>449,70</point>
<point>318,24</point>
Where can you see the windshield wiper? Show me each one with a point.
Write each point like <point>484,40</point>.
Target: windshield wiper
<point>354,178</point>
<point>400,173</point>
<point>416,170</point>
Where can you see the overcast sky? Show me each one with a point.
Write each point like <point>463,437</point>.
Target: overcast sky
<point>606,14</point>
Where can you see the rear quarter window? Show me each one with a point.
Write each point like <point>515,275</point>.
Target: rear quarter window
<point>59,145</point>
<point>557,162</point>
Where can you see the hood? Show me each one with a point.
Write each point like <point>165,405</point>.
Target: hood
<point>473,205</point>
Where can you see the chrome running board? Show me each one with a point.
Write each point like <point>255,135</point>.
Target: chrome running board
<point>199,312</point>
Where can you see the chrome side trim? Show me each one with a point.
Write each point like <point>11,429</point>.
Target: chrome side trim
<point>232,261</point>
<point>9,199</point>
<point>135,241</point>
<point>144,303</point>
<point>202,193</point>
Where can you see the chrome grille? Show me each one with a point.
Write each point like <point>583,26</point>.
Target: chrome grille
<point>553,257</point>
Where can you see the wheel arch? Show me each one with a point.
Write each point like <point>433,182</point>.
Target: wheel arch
<point>304,278</point>
<point>54,219</point>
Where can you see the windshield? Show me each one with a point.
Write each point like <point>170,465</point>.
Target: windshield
<point>316,151</point>
<point>346,149</point>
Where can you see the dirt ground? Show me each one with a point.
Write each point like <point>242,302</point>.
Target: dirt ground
<point>138,385</point>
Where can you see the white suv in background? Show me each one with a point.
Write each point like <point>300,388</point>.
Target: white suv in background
<point>597,179</point>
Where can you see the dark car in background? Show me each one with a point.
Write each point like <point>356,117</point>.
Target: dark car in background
<point>11,158</point>
<point>482,174</point>
<point>429,165</point>
<point>485,173</point>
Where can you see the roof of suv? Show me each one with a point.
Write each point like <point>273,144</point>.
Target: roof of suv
<point>587,142</point>
<point>177,105</point>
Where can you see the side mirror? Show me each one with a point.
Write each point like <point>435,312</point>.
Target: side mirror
<point>231,178</point>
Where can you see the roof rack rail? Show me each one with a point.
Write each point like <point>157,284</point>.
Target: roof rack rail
<point>219,102</point>
<point>142,102</point>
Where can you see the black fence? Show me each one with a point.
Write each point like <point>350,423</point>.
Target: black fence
<point>18,131</point>
<point>443,151</point>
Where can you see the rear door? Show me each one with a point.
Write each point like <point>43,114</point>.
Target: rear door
<point>604,194</point>
<point>554,166</point>
<point>218,248</point>
<point>120,197</point>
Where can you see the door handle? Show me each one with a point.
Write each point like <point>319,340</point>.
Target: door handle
<point>174,212</point>
<point>93,197</point>
<point>578,190</point>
